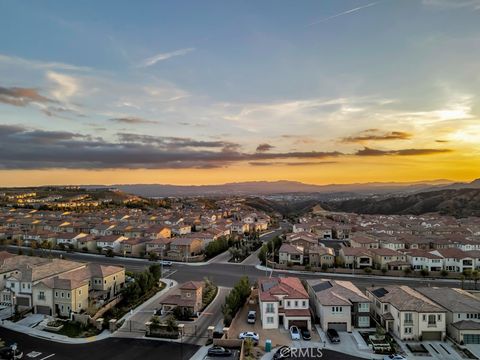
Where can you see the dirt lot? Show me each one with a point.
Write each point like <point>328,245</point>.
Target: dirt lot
<point>278,336</point>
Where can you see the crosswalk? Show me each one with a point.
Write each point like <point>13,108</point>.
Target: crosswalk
<point>37,355</point>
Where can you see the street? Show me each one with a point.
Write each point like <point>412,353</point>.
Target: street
<point>112,348</point>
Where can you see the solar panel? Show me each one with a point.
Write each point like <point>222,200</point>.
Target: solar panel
<point>322,286</point>
<point>380,292</point>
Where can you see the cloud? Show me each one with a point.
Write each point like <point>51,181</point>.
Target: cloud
<point>264,147</point>
<point>452,4</point>
<point>132,120</point>
<point>66,86</point>
<point>376,135</point>
<point>403,152</point>
<point>35,64</point>
<point>164,56</point>
<point>343,13</point>
<point>19,96</point>
<point>300,163</point>
<point>441,141</point>
<point>22,148</point>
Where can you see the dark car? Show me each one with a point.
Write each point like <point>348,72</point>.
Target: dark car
<point>333,336</point>
<point>219,351</point>
<point>282,353</point>
<point>306,334</point>
<point>8,353</point>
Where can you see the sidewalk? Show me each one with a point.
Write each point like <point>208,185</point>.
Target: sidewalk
<point>353,276</point>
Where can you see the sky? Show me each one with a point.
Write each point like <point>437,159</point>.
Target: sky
<point>208,92</point>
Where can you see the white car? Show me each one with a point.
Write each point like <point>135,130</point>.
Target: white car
<point>295,333</point>
<point>249,335</point>
<point>395,357</point>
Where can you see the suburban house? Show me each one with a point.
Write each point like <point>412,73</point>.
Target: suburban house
<point>304,240</point>
<point>384,256</point>
<point>320,256</point>
<point>283,302</point>
<point>134,247</point>
<point>156,232</point>
<point>359,240</point>
<point>189,297</point>
<point>290,254</point>
<point>339,305</point>
<point>356,258</point>
<point>88,243</point>
<point>423,259</point>
<point>159,245</point>
<point>55,286</point>
<point>455,259</point>
<point>463,312</point>
<point>111,242</point>
<point>185,247</point>
<point>407,314</point>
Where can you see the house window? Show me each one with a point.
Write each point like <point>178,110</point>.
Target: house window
<point>439,317</point>
<point>188,294</point>
<point>41,295</point>
<point>385,307</point>
<point>288,303</point>
<point>304,303</point>
<point>408,318</point>
<point>23,286</point>
<point>337,309</point>
<point>296,303</point>
<point>68,295</point>
<point>424,317</point>
<point>269,319</point>
<point>56,293</point>
<point>62,294</point>
<point>80,292</point>
<point>79,305</point>
<point>408,330</point>
<point>270,308</point>
<point>431,320</point>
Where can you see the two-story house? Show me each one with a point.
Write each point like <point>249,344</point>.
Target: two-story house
<point>463,312</point>
<point>406,313</point>
<point>188,297</point>
<point>283,302</point>
<point>339,305</point>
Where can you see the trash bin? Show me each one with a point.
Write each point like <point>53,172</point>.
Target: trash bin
<point>268,345</point>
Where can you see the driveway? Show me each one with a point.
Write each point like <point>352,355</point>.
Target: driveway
<point>197,331</point>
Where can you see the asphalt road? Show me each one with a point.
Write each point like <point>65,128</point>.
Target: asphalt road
<point>112,348</point>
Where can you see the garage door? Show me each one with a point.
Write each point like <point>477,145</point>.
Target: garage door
<point>23,301</point>
<point>45,310</point>
<point>338,326</point>
<point>471,339</point>
<point>299,323</point>
<point>431,335</point>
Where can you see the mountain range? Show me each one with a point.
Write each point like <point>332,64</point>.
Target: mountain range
<point>286,187</point>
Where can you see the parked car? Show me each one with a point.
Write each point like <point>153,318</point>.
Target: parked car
<point>165,263</point>
<point>333,336</point>
<point>395,357</point>
<point>11,352</point>
<point>282,353</point>
<point>306,334</point>
<point>251,317</point>
<point>219,351</point>
<point>250,335</point>
<point>294,333</point>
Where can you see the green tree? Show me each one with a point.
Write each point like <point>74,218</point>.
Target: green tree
<point>156,272</point>
<point>407,271</point>
<point>443,273</point>
<point>109,253</point>
<point>152,256</point>
<point>384,270</point>
<point>424,272</point>
<point>367,270</point>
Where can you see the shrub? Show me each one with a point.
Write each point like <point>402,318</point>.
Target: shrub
<point>367,270</point>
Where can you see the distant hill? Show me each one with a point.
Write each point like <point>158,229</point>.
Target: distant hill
<point>275,187</point>
<point>458,203</point>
